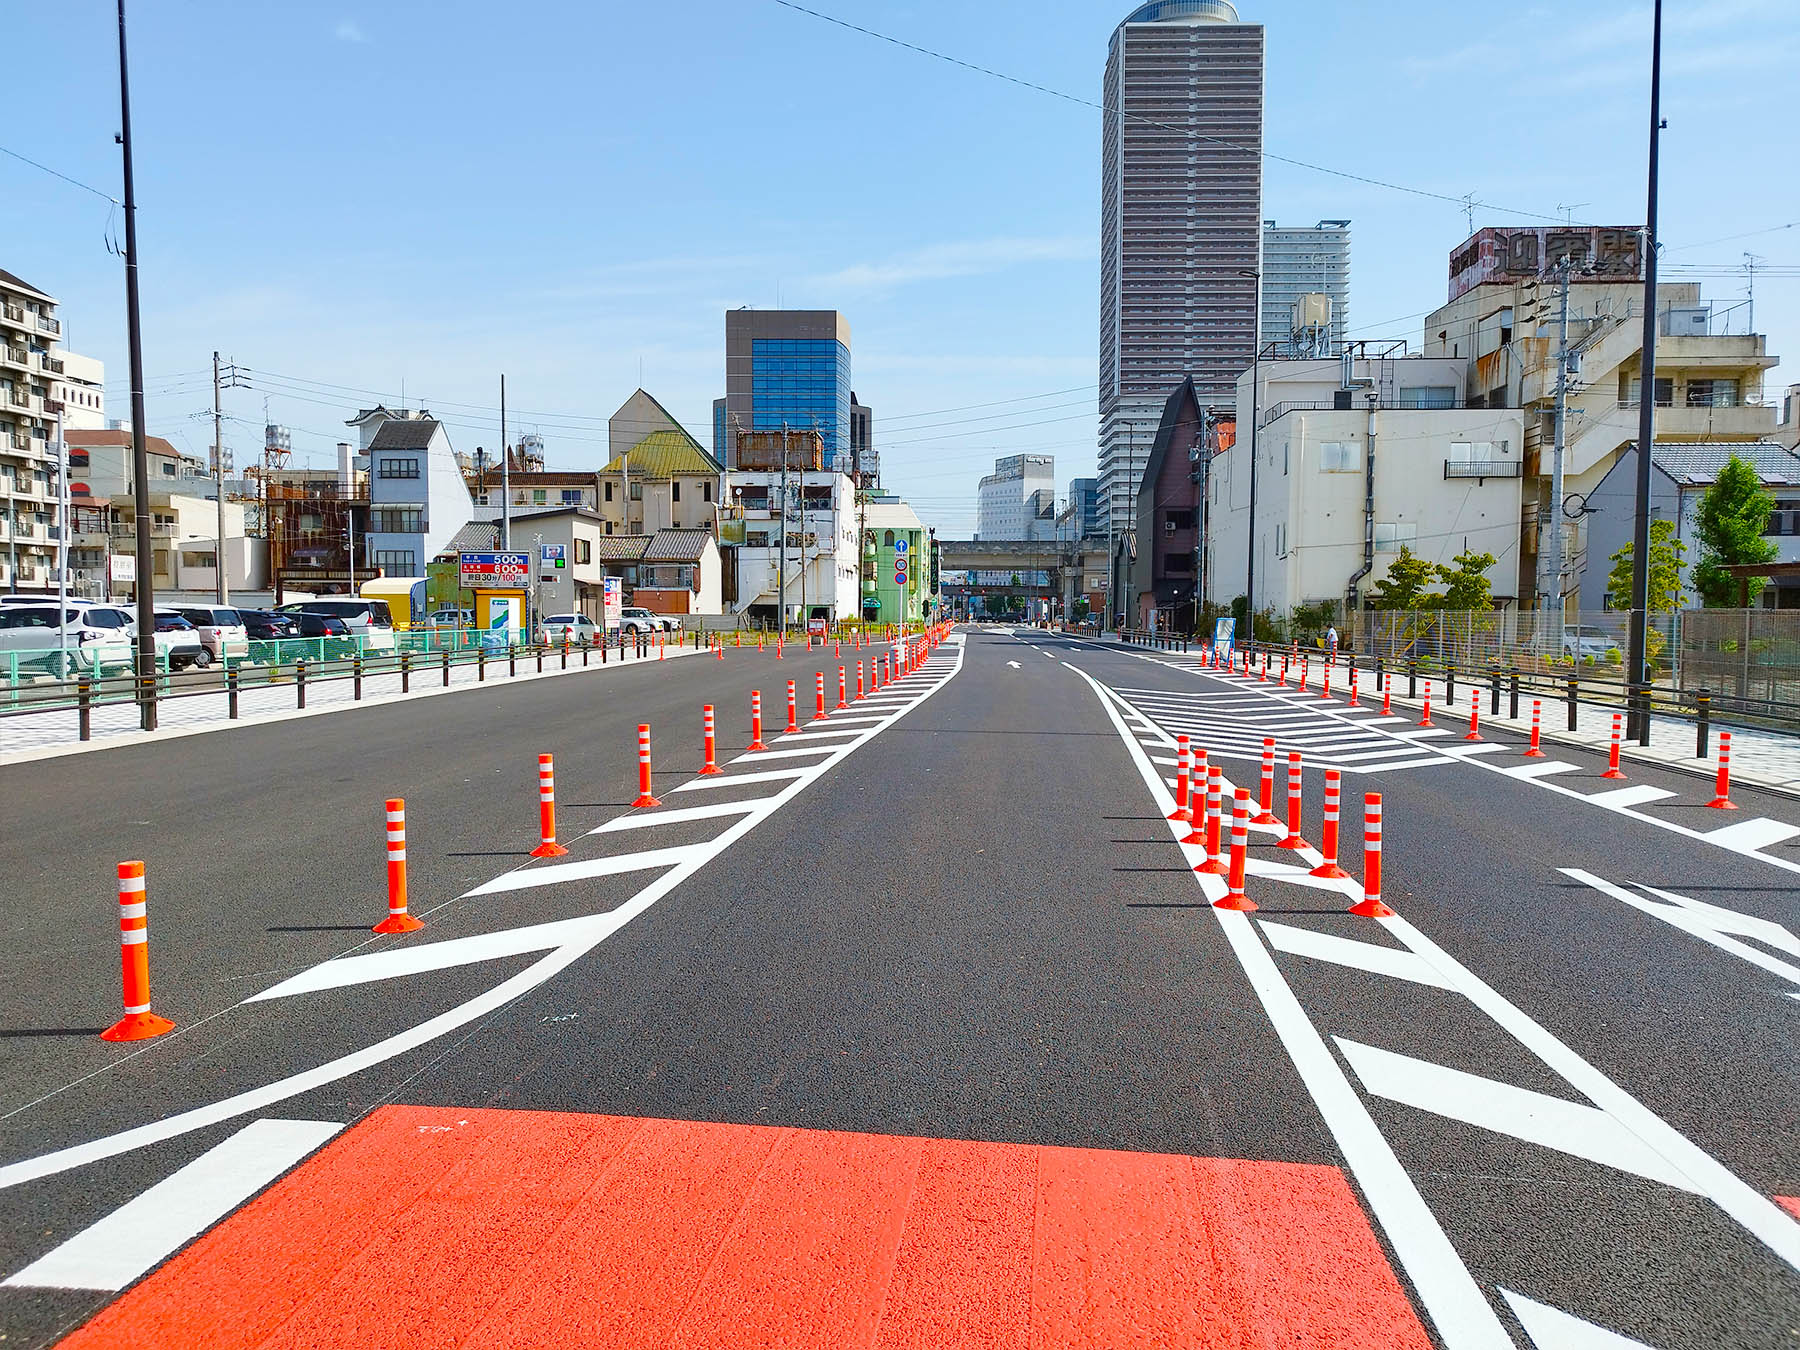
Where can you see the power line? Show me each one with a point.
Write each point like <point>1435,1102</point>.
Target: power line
<point>55,173</point>
<point>1461,203</point>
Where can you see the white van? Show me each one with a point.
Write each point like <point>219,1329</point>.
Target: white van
<point>370,621</point>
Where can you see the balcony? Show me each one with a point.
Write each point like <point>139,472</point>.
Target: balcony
<point>1483,468</point>
<point>1743,422</point>
<point>48,325</point>
<point>53,365</point>
<point>13,313</point>
<point>19,398</point>
<point>15,356</point>
<point>127,530</point>
<point>20,441</point>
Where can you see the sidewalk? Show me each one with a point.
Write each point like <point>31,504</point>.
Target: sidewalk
<point>45,735</point>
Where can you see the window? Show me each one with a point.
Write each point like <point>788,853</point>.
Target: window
<point>540,497</point>
<point>1785,518</point>
<point>637,491</point>
<point>1665,392</point>
<point>1712,393</point>
<point>609,529</point>
<point>1337,457</point>
<point>609,488</point>
<point>706,491</point>
<point>1389,537</point>
<point>1429,395</point>
<point>168,469</point>
<point>397,562</point>
<point>397,520</point>
<point>1281,541</point>
<point>397,468</point>
<point>571,496</point>
<point>584,551</point>
<point>887,539</point>
<point>675,489</point>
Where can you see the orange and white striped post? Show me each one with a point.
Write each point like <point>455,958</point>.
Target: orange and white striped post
<point>1387,697</point>
<point>1198,772</point>
<point>821,714</point>
<point>756,740</point>
<point>1293,839</point>
<point>398,920</point>
<point>1328,841</point>
<point>644,797</point>
<point>1325,670</point>
<point>1612,755</point>
<point>1535,750</point>
<point>1722,785</point>
<point>1182,811</point>
<point>843,703</point>
<point>709,735</point>
<point>793,710</point>
<point>1370,906</point>
<point>1352,686</point>
<point>859,680</point>
<point>1474,733</point>
<point>547,845</point>
<point>1425,721</point>
<point>1214,864</point>
<point>1265,794</point>
<point>1234,897</point>
<point>138,1023</point>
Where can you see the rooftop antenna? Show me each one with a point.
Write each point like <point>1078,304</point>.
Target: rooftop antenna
<point>1752,261</point>
<point>1468,206</point>
<point>1568,212</point>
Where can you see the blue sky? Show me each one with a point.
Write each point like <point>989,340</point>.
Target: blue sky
<point>345,197</point>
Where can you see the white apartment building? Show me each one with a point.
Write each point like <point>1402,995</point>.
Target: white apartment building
<point>818,559</point>
<point>1355,459</point>
<point>29,493</point>
<point>81,389</point>
<point>1018,499</point>
<point>1180,223</point>
<point>1302,261</point>
<point>1501,325</point>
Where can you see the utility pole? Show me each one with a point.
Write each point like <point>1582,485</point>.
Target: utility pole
<point>506,479</point>
<point>1636,672</point>
<point>62,540</point>
<point>140,458</point>
<point>221,588</point>
<point>1552,567</point>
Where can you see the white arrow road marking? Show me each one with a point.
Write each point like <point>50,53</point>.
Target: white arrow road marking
<point>1552,1329</point>
<point>1394,961</point>
<point>1707,922</point>
<point>144,1230</point>
<point>587,868</point>
<point>1015,665</point>
<point>724,780</point>
<point>1549,1122</point>
<point>1757,832</point>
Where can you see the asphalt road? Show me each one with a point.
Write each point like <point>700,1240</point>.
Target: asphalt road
<point>1534,1101</point>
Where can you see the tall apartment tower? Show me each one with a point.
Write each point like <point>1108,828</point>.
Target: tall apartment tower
<point>786,368</point>
<point>1180,223</point>
<point>1305,260</point>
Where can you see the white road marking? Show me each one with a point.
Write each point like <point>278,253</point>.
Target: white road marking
<point>1549,1122</point>
<point>1015,665</point>
<point>756,757</point>
<point>538,973</point>
<point>1635,795</point>
<point>1539,768</point>
<point>586,869</point>
<point>640,820</point>
<point>1552,1329</point>
<point>1754,833</point>
<point>1394,961</point>
<point>725,780</point>
<point>148,1228</point>
<point>1707,922</point>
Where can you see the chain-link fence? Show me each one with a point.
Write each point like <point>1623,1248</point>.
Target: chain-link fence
<point>1749,659</point>
<point>1528,640</point>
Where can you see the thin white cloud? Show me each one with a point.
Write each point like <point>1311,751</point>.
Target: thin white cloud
<point>349,30</point>
<point>938,262</point>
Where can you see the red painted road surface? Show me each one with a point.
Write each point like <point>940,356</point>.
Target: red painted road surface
<point>425,1226</point>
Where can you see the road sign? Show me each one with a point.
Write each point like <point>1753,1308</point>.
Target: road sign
<point>551,554</point>
<point>899,546</point>
<point>495,571</point>
<point>1224,630</point>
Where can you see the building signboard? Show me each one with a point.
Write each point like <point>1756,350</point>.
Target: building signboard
<point>612,602</point>
<point>1599,252</point>
<point>495,571</point>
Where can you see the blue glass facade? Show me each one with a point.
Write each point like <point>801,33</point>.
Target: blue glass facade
<point>803,383</point>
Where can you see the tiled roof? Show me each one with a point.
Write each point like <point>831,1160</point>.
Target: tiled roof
<point>1695,464</point>
<point>478,536</point>
<point>620,547</point>
<point>677,546</point>
<point>8,279</point>
<point>412,433</point>
<point>667,454</point>
<point>94,438</point>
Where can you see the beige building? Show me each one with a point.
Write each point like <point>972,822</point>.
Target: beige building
<point>183,530</point>
<point>659,477</point>
<point>1356,459</point>
<point>673,571</point>
<point>1502,329</point>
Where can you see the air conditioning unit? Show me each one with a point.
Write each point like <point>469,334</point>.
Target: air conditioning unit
<point>1687,322</point>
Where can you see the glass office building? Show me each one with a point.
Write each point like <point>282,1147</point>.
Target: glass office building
<point>786,368</point>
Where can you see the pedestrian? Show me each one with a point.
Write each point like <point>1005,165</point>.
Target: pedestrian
<point>1331,643</point>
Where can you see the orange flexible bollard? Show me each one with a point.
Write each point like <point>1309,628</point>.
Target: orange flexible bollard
<point>138,1023</point>
<point>1370,906</point>
<point>398,920</point>
<point>1234,897</point>
<point>644,797</point>
<point>547,845</point>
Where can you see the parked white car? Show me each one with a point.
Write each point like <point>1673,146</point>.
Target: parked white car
<point>370,621</point>
<point>1581,641</point>
<point>178,641</point>
<point>636,619</point>
<point>66,639</point>
<point>450,618</point>
<point>221,629</point>
<point>578,627</point>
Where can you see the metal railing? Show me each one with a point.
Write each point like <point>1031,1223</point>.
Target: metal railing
<point>1483,468</point>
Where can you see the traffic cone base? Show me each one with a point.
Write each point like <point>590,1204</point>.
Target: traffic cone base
<point>1293,841</point>
<point>706,769</point>
<point>1530,753</point>
<point>398,923</point>
<point>1722,804</point>
<point>1613,773</point>
<point>1371,909</point>
<point>1212,867</point>
<point>1264,818</point>
<point>1243,904</point>
<point>1328,872</point>
<point>549,849</point>
<point>137,1027</point>
<point>645,799</point>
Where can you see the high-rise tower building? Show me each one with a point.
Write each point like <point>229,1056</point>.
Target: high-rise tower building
<point>1308,260</point>
<point>786,368</point>
<point>1180,223</point>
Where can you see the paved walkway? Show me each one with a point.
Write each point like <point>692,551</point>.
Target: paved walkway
<point>46,734</point>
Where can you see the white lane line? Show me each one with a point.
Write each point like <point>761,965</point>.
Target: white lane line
<point>1635,795</point>
<point>1419,734</point>
<point>150,1227</point>
<point>757,756</point>
<point>643,820</point>
<point>1541,768</point>
<point>1464,1318</point>
<point>538,973</point>
<point>1552,1329</point>
<point>725,780</point>
<point>1707,922</point>
<point>1465,749</point>
<point>1395,961</point>
<point>1757,832</point>
<point>826,731</point>
<point>1398,764</point>
<point>586,869</point>
<point>1549,1122</point>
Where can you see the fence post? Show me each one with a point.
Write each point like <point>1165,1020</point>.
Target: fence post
<point>1450,683</point>
<point>231,692</point>
<point>1412,678</point>
<point>1702,722</point>
<point>512,657</point>
<point>1572,686</point>
<point>1494,698</point>
<point>356,675</point>
<point>539,649</point>
<point>300,683</point>
<point>84,696</point>
<point>481,665</point>
<point>444,655</point>
<point>1380,675</point>
<point>405,671</point>
<point>1513,687</point>
<point>1640,698</point>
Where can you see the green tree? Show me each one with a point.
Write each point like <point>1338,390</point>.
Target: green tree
<point>1466,583</point>
<point>1404,585</point>
<point>1665,571</point>
<point>1730,523</point>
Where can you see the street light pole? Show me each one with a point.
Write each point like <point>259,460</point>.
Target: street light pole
<point>1250,545</point>
<point>140,457</point>
<point>1637,675</point>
